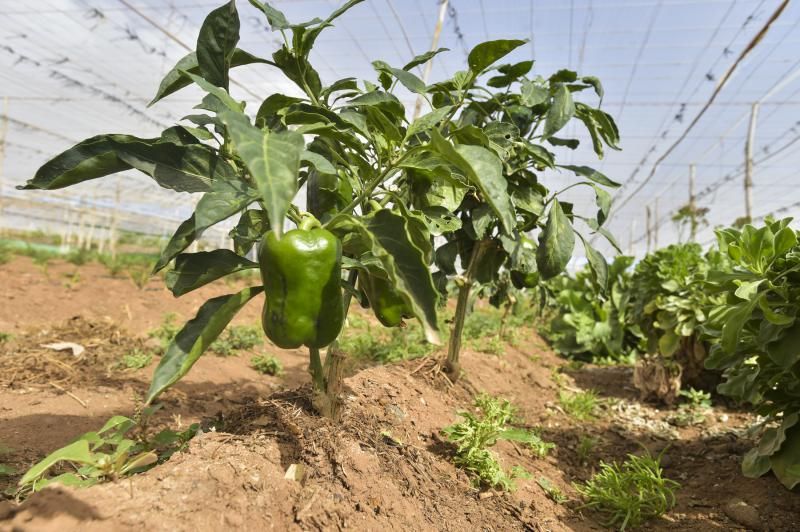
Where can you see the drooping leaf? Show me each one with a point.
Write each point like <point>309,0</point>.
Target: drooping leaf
<point>273,159</point>
<point>218,92</point>
<point>277,20</point>
<point>193,270</point>
<point>591,173</point>
<point>734,323</point>
<point>424,58</point>
<point>183,237</point>
<point>216,44</point>
<point>556,243</point>
<point>195,337</point>
<point>562,109</point>
<point>484,170</point>
<point>597,263</point>
<point>77,451</point>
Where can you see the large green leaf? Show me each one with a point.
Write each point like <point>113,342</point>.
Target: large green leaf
<point>484,170</point>
<point>597,263</point>
<point>591,173</point>
<point>190,168</point>
<point>386,235</point>
<point>183,237</point>
<point>561,110</point>
<point>556,243</point>
<point>77,451</point>
<point>175,79</point>
<point>216,44</point>
<point>734,323</point>
<point>195,337</point>
<point>193,270</point>
<point>273,160</point>
<point>253,224</point>
<point>219,93</point>
<point>92,158</point>
<point>786,462</point>
<point>225,199</point>
<point>786,351</point>
<point>485,54</point>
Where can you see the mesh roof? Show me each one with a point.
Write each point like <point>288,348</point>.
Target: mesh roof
<point>71,69</point>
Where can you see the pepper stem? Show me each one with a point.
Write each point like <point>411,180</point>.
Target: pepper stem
<point>317,375</point>
<point>452,366</point>
<point>308,222</point>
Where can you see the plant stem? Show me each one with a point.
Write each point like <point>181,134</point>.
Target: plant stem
<point>317,376</point>
<point>452,365</point>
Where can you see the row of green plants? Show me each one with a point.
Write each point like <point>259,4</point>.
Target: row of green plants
<point>725,318</point>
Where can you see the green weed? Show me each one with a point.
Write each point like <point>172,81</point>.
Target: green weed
<point>586,448</point>
<point>267,364</point>
<point>237,338</point>
<point>579,405</point>
<point>382,345</point>
<point>552,491</point>
<point>694,411</point>
<point>631,493</point>
<point>476,433</point>
<point>540,447</point>
<point>166,332</point>
<point>136,359</point>
<point>5,337</point>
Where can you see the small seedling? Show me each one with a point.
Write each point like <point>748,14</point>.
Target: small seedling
<point>136,359</point>
<point>579,405</point>
<point>237,338</point>
<point>165,332</point>
<point>5,337</point>
<point>107,454</point>
<point>267,364</point>
<point>540,447</point>
<point>631,493</point>
<point>552,491</point>
<point>694,411</point>
<point>476,433</point>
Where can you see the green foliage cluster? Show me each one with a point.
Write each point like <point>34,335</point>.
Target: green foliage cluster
<point>112,452</point>
<point>579,405</point>
<point>136,359</point>
<point>756,334</point>
<point>631,493</point>
<point>478,432</point>
<point>588,320</point>
<point>237,338</point>
<point>267,364</point>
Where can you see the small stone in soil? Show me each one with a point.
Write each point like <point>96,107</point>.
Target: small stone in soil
<point>744,514</point>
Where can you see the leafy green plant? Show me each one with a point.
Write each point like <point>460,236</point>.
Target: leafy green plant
<point>166,332</point>
<point>588,320</point>
<point>631,493</point>
<point>476,433</point>
<point>106,454</point>
<point>267,364</point>
<point>237,338</point>
<point>669,304</point>
<point>382,190</point>
<point>5,337</point>
<point>579,405</point>
<point>552,491</point>
<point>136,359</point>
<point>540,447</point>
<point>756,334</point>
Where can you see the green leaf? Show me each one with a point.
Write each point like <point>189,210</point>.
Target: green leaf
<point>748,289</point>
<point>534,92</point>
<point>193,270</point>
<point>485,54</point>
<point>225,199</point>
<point>556,243</point>
<point>318,161</point>
<point>603,200</point>
<point>595,83</point>
<point>770,315</point>
<point>509,74</point>
<point>484,170</point>
<point>754,464</point>
<point>216,44</point>
<point>786,351</point>
<point>253,223</point>
<point>569,143</point>
<point>220,93</point>
<point>195,337</point>
<point>183,237</point>
<point>190,168</point>
<point>89,159</point>
<point>384,100</point>
<point>273,160</point>
<point>424,58</point>
<point>409,80</point>
<point>175,80</point>
<point>786,462</point>
<point>785,239</point>
<point>386,235</point>
<point>597,263</point>
<point>428,121</point>
<point>734,323</point>
<point>591,173</point>
<point>77,451</point>
<point>560,112</point>
<point>668,343</point>
<point>299,70</point>
<point>564,76</point>
<point>277,20</point>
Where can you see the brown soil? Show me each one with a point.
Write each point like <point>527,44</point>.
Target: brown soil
<point>386,466</point>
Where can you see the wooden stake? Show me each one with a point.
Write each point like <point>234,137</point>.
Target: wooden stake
<point>748,161</point>
<point>437,31</point>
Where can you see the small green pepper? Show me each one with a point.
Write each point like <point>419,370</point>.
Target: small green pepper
<point>389,306</point>
<point>302,282</point>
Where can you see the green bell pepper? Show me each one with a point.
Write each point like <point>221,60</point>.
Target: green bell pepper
<point>302,282</point>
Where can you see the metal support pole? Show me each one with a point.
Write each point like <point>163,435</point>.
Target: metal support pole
<point>647,222</point>
<point>437,31</point>
<point>692,208</point>
<point>748,167</point>
<point>655,225</point>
